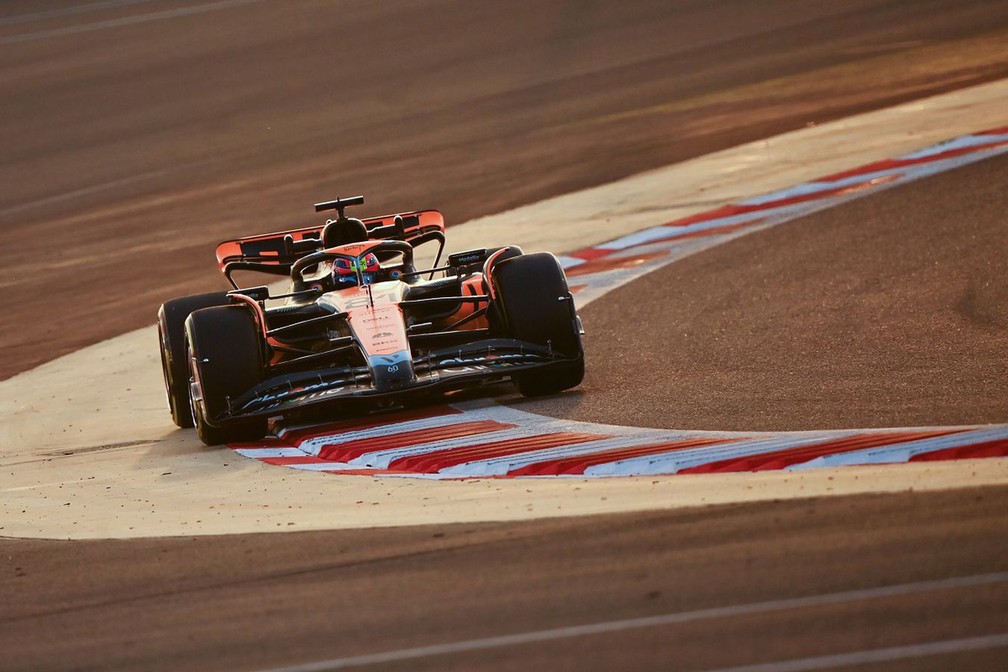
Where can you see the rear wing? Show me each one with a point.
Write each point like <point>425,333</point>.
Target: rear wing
<point>275,253</point>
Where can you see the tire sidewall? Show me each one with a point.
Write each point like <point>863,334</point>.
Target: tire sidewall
<point>225,358</point>
<point>172,316</point>
<point>535,304</point>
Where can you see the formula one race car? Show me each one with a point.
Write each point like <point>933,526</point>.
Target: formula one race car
<point>361,327</point>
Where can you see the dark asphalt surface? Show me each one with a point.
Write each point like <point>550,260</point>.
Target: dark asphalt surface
<point>888,311</point>
<point>129,151</point>
<point>261,601</point>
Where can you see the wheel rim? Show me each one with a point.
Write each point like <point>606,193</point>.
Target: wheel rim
<point>166,371</point>
<point>195,395</point>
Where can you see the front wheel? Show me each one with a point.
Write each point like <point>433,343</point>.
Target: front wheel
<point>224,347</point>
<point>171,338</point>
<point>536,306</point>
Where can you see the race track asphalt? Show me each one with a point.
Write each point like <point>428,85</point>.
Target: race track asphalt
<point>887,311</point>
<point>129,151</point>
<point>271,600</point>
<point>123,166</point>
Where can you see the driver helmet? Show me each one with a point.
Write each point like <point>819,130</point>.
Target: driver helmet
<point>345,270</point>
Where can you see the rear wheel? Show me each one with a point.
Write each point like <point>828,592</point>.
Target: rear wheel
<point>225,361</point>
<point>536,306</point>
<point>171,334</point>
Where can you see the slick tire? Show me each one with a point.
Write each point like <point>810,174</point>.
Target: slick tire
<point>224,351</point>
<point>174,365</point>
<point>536,306</point>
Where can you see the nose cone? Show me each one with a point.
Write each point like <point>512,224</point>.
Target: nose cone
<point>392,372</point>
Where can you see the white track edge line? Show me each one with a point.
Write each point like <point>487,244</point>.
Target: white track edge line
<point>886,655</point>
<point>647,621</point>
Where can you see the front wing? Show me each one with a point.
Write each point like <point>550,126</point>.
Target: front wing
<point>469,365</point>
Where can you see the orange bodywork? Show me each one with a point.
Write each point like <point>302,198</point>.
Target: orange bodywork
<point>471,286</point>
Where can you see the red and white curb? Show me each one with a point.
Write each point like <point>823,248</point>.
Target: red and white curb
<point>484,439</point>
<point>596,270</point>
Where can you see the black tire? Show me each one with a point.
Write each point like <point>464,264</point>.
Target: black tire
<point>171,334</point>
<point>225,358</point>
<point>536,306</point>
